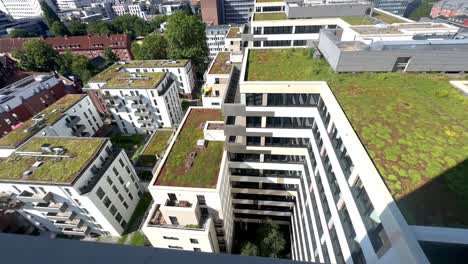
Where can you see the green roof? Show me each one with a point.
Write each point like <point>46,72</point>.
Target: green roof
<point>156,63</point>
<point>268,1</point>
<point>219,65</point>
<point>413,126</point>
<point>116,77</point>
<point>62,170</point>
<point>359,20</point>
<point>270,16</point>
<point>205,168</point>
<point>157,146</point>
<point>387,18</point>
<point>52,114</point>
<point>234,32</point>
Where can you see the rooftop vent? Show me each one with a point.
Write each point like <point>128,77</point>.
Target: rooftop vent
<point>188,164</point>
<point>201,143</point>
<point>46,148</point>
<point>28,172</point>
<point>192,154</point>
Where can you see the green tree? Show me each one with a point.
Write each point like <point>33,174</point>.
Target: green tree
<point>59,29</point>
<point>48,13</point>
<point>76,65</point>
<point>131,25</point>
<point>110,56</point>
<point>187,9</point>
<point>187,40</point>
<point>249,249</point>
<point>273,241</point>
<point>21,33</point>
<point>423,10</point>
<point>156,22</point>
<point>153,47</point>
<point>100,28</point>
<point>77,28</point>
<point>36,55</point>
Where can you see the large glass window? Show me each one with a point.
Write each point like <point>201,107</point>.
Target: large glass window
<point>277,30</point>
<point>307,29</point>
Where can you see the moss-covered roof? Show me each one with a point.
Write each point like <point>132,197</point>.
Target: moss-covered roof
<point>51,115</point>
<point>53,170</point>
<point>270,16</point>
<point>234,32</point>
<point>117,77</point>
<point>220,65</point>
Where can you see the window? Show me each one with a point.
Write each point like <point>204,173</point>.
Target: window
<point>194,241</point>
<point>118,217</point>
<point>173,220</point>
<point>100,193</point>
<point>196,249</point>
<point>109,180</point>
<point>174,247</point>
<point>121,163</point>
<point>42,189</point>
<point>125,205</point>
<point>170,238</point>
<point>201,199</point>
<point>124,224</point>
<point>107,202</point>
<point>121,198</point>
<point>172,196</point>
<point>121,180</point>
<point>131,196</point>
<point>115,189</point>
<point>113,210</point>
<point>34,189</point>
<point>253,99</point>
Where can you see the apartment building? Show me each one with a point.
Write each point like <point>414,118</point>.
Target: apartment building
<point>129,8</point>
<point>192,203</point>
<point>215,36</point>
<point>72,115</point>
<point>64,5</point>
<point>22,9</point>
<point>218,77</point>
<point>237,11</point>
<point>212,12</point>
<point>139,99</point>
<point>397,7</point>
<point>72,186</point>
<point>26,97</point>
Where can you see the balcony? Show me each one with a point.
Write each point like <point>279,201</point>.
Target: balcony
<point>145,121</point>
<point>235,125</point>
<point>157,220</point>
<point>132,97</point>
<point>73,121</point>
<point>27,197</point>
<point>51,207</point>
<point>78,130</point>
<point>61,216</point>
<point>139,106</point>
<point>108,96</point>
<point>77,223</point>
<point>172,203</point>
<point>83,231</point>
<point>144,114</point>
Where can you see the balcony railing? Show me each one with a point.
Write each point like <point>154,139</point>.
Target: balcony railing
<point>178,203</point>
<point>157,220</point>
<point>145,121</point>
<point>51,207</point>
<point>142,113</point>
<point>83,231</point>
<point>77,223</point>
<point>28,197</point>
<point>61,216</point>
<point>139,106</point>
<point>132,97</point>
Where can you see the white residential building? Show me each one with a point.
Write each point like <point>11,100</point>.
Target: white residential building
<point>72,115</point>
<point>140,99</point>
<point>72,186</point>
<point>215,36</point>
<point>192,203</point>
<point>22,9</point>
<point>169,7</point>
<point>64,5</point>
<point>135,9</point>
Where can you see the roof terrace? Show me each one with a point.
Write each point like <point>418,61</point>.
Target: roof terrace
<point>234,32</point>
<point>46,117</point>
<point>402,28</point>
<point>221,64</point>
<point>155,63</point>
<point>388,19</point>
<point>413,126</point>
<point>50,159</point>
<point>157,146</point>
<point>358,20</point>
<point>188,164</point>
<point>270,16</point>
<point>117,77</point>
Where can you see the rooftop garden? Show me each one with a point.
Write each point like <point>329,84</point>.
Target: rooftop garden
<point>361,20</point>
<point>143,80</point>
<point>270,16</point>
<point>268,1</point>
<point>156,63</point>
<point>413,126</point>
<point>52,113</point>
<point>203,172</point>
<point>219,65</point>
<point>52,170</point>
<point>234,32</point>
<point>387,18</point>
<point>157,146</point>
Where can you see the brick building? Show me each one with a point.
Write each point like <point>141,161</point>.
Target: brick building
<point>23,99</point>
<point>89,46</point>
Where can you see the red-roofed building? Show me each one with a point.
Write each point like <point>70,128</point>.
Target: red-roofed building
<point>89,46</point>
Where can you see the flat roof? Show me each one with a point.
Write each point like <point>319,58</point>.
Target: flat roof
<point>204,169</point>
<point>157,146</point>
<point>156,63</point>
<point>400,28</point>
<point>234,32</point>
<point>270,16</point>
<point>388,19</point>
<point>268,1</point>
<point>413,125</point>
<point>117,77</point>
<point>220,65</point>
<point>358,20</point>
<point>51,115</point>
<point>78,152</point>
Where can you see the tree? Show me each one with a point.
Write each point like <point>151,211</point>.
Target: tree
<point>76,27</point>
<point>156,22</point>
<point>100,28</point>
<point>59,29</point>
<point>153,47</point>
<point>249,249</point>
<point>273,242</point>
<point>48,13</point>
<point>110,56</point>
<point>21,33</point>
<point>131,25</point>
<point>187,9</point>
<point>36,55</point>
<point>187,40</point>
<point>76,65</point>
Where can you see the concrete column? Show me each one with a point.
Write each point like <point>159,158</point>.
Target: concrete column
<point>264,98</point>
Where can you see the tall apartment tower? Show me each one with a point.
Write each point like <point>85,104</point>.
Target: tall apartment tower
<point>237,12</point>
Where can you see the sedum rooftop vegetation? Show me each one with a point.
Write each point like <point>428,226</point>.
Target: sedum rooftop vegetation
<point>157,146</point>
<point>51,115</point>
<point>358,20</point>
<point>270,16</point>
<point>387,18</point>
<point>205,168</point>
<point>234,32</point>
<point>117,77</point>
<point>156,63</point>
<point>220,65</point>
<point>413,126</point>
<point>56,170</point>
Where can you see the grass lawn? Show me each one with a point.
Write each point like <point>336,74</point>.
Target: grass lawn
<point>413,125</point>
<point>205,168</point>
<point>157,146</point>
<point>387,19</point>
<point>270,16</point>
<point>354,21</point>
<point>268,1</point>
<point>52,170</point>
<point>138,239</point>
